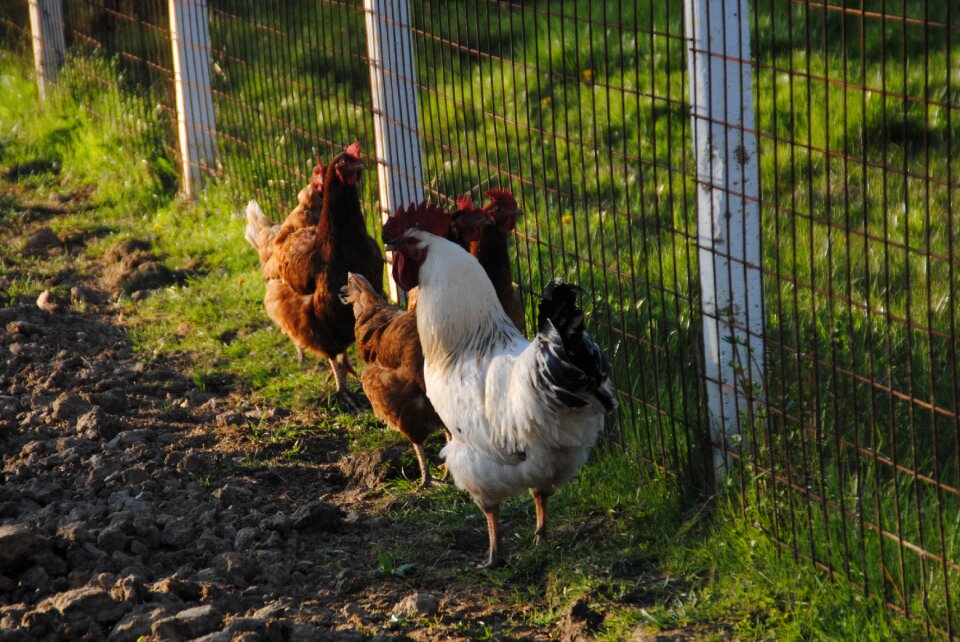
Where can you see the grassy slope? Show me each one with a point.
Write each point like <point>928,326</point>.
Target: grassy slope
<point>641,551</point>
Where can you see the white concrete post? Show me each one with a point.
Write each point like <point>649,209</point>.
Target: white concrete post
<point>728,216</point>
<point>49,46</point>
<point>396,124</point>
<point>189,37</point>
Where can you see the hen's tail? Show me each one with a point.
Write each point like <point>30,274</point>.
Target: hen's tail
<point>259,228</point>
<point>570,361</point>
<point>260,233</point>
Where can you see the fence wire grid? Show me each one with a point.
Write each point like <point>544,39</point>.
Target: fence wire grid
<point>848,451</point>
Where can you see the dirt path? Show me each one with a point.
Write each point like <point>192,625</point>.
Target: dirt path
<point>131,507</point>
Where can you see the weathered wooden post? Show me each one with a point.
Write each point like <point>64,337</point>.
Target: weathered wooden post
<point>49,46</point>
<point>196,127</point>
<point>728,219</point>
<point>393,83</point>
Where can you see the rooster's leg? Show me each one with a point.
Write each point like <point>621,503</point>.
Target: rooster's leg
<point>540,503</point>
<point>343,394</point>
<point>493,531</point>
<point>299,356</point>
<point>424,466</point>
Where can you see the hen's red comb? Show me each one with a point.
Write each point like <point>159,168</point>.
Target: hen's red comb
<point>464,202</point>
<point>317,178</point>
<point>502,196</point>
<point>416,216</point>
<point>353,150</point>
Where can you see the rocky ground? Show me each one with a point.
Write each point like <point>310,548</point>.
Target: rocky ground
<point>131,507</point>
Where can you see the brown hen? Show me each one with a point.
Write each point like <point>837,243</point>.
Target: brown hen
<point>312,263</point>
<point>389,343</point>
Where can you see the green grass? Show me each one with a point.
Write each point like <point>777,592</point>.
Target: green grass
<point>621,222</point>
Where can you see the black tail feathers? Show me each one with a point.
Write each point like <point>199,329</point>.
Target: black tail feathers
<point>561,318</point>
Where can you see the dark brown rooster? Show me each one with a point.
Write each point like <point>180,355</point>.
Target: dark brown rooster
<point>313,263</point>
<point>388,341</point>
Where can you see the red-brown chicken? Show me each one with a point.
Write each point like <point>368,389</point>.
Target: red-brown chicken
<point>485,233</point>
<point>313,263</point>
<point>264,236</point>
<point>388,341</point>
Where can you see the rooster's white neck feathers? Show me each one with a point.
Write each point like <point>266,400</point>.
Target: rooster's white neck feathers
<point>458,311</point>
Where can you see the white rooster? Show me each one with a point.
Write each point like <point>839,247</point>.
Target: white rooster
<point>523,415</point>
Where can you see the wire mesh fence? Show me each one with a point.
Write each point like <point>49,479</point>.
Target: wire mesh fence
<point>848,447</point>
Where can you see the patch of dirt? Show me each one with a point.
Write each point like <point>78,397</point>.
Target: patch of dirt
<point>131,266</point>
<point>371,468</point>
<point>135,506</point>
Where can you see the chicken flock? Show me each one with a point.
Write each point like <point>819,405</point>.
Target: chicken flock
<point>518,415</point>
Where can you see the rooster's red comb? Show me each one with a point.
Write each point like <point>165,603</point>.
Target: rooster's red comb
<point>464,202</point>
<point>353,150</point>
<point>503,197</point>
<point>416,216</point>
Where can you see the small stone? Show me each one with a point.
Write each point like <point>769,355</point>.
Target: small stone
<point>88,601</point>
<point>17,541</point>
<point>51,562</point>
<point>10,616</point>
<point>35,578</point>
<point>303,632</point>
<point>134,626</point>
<point>110,401</point>
<point>112,538</point>
<point>177,533</point>
<point>188,624</point>
<point>184,589</point>
<point>276,522</point>
<point>245,537</point>
<point>69,406</point>
<point>241,567</point>
<point>318,515</point>
<point>49,302</point>
<point>96,424</point>
<point>131,589</point>
<point>417,605</point>
<point>195,462</point>
<point>135,476</point>
<point>243,624</point>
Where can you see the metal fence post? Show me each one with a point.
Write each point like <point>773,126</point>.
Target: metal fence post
<point>49,46</point>
<point>196,128</point>
<point>728,216</point>
<point>396,123</point>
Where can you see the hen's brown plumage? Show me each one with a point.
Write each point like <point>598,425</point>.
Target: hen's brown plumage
<point>388,342</point>
<point>312,264</point>
<point>265,237</point>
